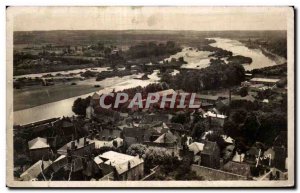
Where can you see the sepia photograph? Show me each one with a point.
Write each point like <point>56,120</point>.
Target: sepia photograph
<point>150,97</point>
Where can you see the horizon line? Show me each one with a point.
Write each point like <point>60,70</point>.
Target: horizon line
<point>149,30</point>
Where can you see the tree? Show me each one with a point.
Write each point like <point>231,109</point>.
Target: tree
<point>231,129</point>
<point>80,105</point>
<point>218,139</point>
<point>250,128</point>
<point>180,118</point>
<point>198,129</point>
<point>158,156</point>
<point>243,91</point>
<point>239,116</point>
<point>136,149</point>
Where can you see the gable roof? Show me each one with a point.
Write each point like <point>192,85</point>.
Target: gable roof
<point>35,170</point>
<point>166,92</point>
<point>79,144</point>
<point>38,143</point>
<point>166,138</point>
<point>120,161</point>
<point>238,157</point>
<point>196,147</point>
<point>207,97</point>
<point>96,96</point>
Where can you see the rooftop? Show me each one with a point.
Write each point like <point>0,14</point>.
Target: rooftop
<point>79,143</point>
<point>38,143</point>
<point>267,80</point>
<point>35,170</point>
<point>207,97</point>
<point>210,114</point>
<point>166,92</point>
<point>120,161</point>
<point>166,138</point>
<point>196,147</point>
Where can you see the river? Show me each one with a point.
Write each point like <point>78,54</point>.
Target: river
<point>195,59</point>
<point>64,107</point>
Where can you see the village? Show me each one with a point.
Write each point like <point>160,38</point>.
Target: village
<point>218,140</point>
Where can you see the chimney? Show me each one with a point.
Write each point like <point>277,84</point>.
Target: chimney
<point>84,141</point>
<point>129,165</point>
<point>72,145</point>
<point>229,96</point>
<point>221,163</point>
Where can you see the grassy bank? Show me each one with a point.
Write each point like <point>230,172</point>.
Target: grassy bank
<point>38,95</point>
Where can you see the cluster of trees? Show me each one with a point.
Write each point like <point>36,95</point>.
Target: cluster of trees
<point>148,49</point>
<point>277,70</point>
<point>212,77</point>
<point>277,46</point>
<point>248,127</point>
<point>108,74</point>
<point>80,104</point>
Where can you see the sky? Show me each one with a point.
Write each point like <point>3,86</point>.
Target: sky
<point>148,18</point>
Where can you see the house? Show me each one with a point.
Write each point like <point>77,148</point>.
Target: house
<point>196,148</point>
<point>210,156</point>
<point>151,118</point>
<point>95,100</point>
<point>238,157</point>
<point>228,152</point>
<point>242,169</point>
<point>79,147</point>
<point>273,174</point>
<point>166,140</point>
<point>89,112</point>
<point>177,128</point>
<point>211,99</point>
<point>216,121</point>
<point>253,154</point>
<point>268,157</point>
<point>265,81</point>
<point>125,167</point>
<point>280,158</point>
<point>66,126</point>
<point>74,167</point>
<point>39,149</point>
<point>35,170</point>
<point>133,135</point>
<point>280,149</point>
<point>118,142</point>
<point>107,134</point>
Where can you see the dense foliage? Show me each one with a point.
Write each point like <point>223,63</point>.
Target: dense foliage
<point>212,77</point>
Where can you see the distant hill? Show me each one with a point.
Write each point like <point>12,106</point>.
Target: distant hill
<point>130,36</point>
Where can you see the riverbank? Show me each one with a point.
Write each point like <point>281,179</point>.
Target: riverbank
<point>38,95</point>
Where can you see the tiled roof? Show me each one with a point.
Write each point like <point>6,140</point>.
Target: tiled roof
<point>38,143</point>
<point>79,144</point>
<point>166,138</point>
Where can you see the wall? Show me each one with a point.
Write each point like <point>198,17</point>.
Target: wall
<point>213,174</point>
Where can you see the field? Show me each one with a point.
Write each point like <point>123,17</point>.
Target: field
<point>38,95</point>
